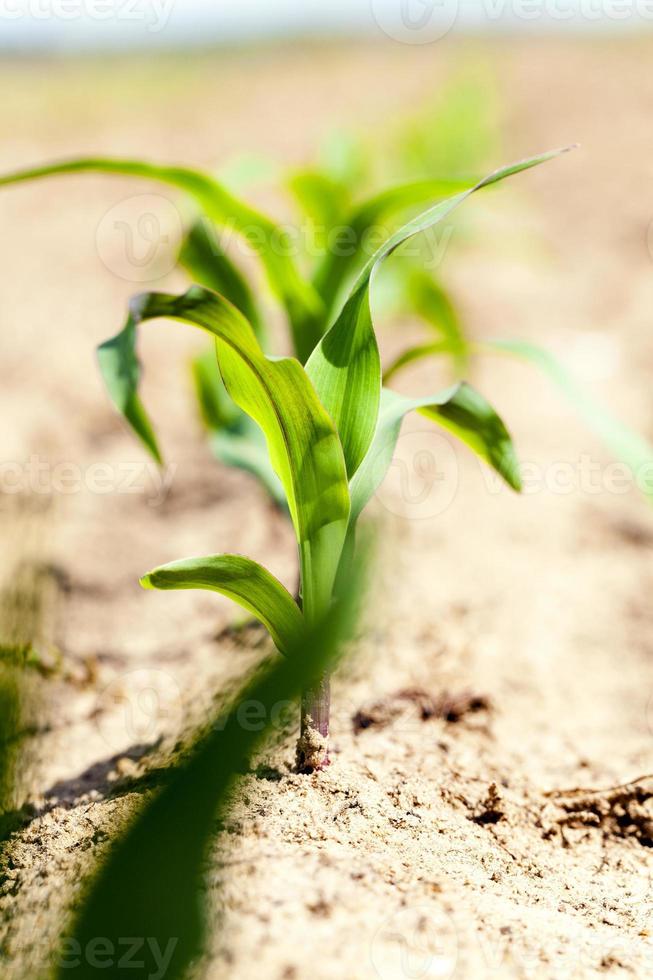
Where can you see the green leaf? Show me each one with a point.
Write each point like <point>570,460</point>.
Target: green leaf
<point>247,451</point>
<point>345,158</point>
<point>625,444</point>
<point>323,200</point>
<point>423,295</point>
<point>427,219</point>
<point>304,447</point>
<point>456,134</point>
<point>217,408</point>
<point>428,298</point>
<point>244,581</point>
<point>152,885</point>
<point>345,366</point>
<point>340,263</point>
<point>121,372</point>
<point>234,438</point>
<point>412,354</point>
<point>11,723</point>
<point>303,304</point>
<point>206,262</point>
<point>460,410</point>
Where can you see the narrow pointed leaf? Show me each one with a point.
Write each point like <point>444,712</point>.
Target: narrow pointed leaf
<point>217,408</point>
<point>431,301</point>
<point>205,260</point>
<point>413,354</point>
<point>304,447</point>
<point>234,438</point>
<point>345,366</point>
<point>427,219</point>
<point>626,445</point>
<point>302,302</point>
<point>460,410</point>
<point>244,581</point>
<point>121,372</point>
<point>423,295</point>
<point>338,265</point>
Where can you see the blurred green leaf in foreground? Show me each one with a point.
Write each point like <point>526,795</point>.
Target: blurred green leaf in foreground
<point>142,916</point>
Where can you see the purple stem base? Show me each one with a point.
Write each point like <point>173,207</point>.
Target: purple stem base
<point>313,744</point>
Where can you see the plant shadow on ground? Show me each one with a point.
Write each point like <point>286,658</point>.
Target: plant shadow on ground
<point>106,779</point>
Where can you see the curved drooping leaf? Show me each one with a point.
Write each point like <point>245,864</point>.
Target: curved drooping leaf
<point>121,373</point>
<point>244,581</point>
<point>427,219</point>
<point>412,354</point>
<point>461,410</point>
<point>302,302</point>
<point>151,885</point>
<point>234,438</point>
<point>304,447</point>
<point>427,298</point>
<point>217,409</point>
<point>345,366</point>
<point>207,264</point>
<point>360,224</point>
<point>625,444</point>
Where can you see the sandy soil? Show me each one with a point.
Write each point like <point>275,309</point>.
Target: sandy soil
<point>489,811</point>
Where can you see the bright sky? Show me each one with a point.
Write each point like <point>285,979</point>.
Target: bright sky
<point>111,23</point>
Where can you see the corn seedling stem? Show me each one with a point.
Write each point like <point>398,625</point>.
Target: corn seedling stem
<point>313,743</point>
<point>330,426</point>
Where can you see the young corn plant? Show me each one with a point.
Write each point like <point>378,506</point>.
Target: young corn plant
<point>330,429</point>
<point>449,339</point>
<point>456,136</point>
<point>309,292</point>
<point>152,882</point>
<point>331,201</point>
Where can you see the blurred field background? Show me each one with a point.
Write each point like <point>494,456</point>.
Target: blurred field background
<point>543,602</point>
